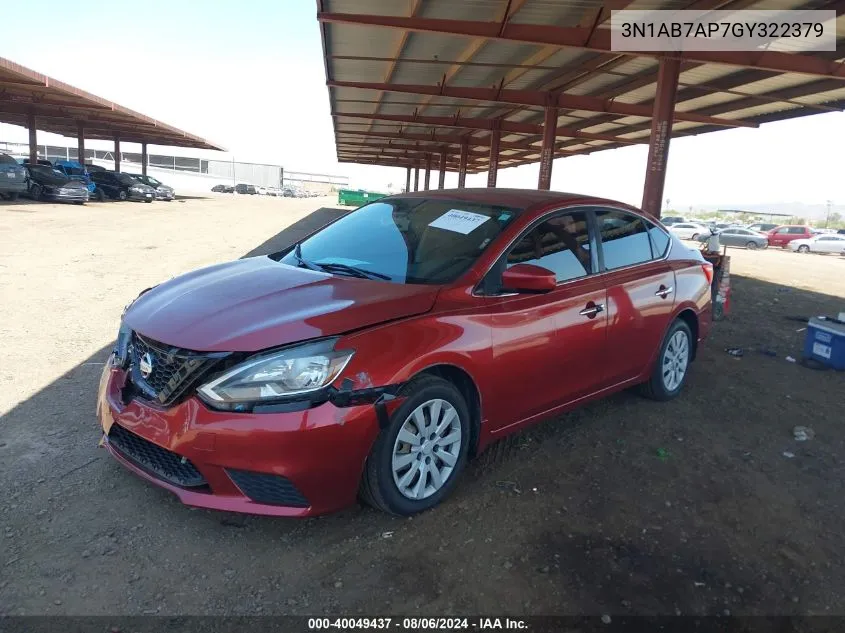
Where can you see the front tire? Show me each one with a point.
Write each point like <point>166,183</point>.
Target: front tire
<point>670,370</point>
<point>101,196</point>
<point>122,196</point>
<point>416,461</point>
<point>694,237</point>
<point>803,249</point>
<point>751,246</point>
<point>147,201</point>
<point>36,192</point>
<point>11,197</point>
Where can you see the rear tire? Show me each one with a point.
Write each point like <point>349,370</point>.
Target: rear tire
<point>803,249</point>
<point>672,365</point>
<point>694,237</point>
<point>101,196</point>
<point>382,482</point>
<point>35,192</point>
<point>751,246</point>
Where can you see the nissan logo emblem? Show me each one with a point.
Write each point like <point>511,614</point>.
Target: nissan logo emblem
<point>146,365</point>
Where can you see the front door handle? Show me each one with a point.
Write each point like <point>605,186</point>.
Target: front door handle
<point>592,310</point>
<point>664,292</point>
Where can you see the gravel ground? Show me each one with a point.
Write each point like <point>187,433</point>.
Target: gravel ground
<point>624,507</point>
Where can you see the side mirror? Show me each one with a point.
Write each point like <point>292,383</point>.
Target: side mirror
<point>528,278</point>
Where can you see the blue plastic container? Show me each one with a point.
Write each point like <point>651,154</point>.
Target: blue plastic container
<point>825,342</point>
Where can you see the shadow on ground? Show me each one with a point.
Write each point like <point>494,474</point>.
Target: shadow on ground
<point>703,505</point>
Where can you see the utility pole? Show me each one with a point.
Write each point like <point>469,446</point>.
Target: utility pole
<point>827,217</point>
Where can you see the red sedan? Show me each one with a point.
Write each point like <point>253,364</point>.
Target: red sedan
<point>376,356</point>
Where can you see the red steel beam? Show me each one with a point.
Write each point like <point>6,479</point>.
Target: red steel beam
<point>411,146</point>
<point>80,143</point>
<point>408,180</point>
<point>33,142</point>
<point>661,134</point>
<point>536,98</point>
<point>493,168</point>
<point>547,153</point>
<point>452,139</point>
<point>417,178</point>
<point>441,181</point>
<point>427,183</point>
<point>462,169</point>
<point>599,41</point>
<point>514,127</point>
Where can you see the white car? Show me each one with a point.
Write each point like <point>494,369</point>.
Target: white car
<point>819,244</point>
<point>262,191</point>
<point>689,230</point>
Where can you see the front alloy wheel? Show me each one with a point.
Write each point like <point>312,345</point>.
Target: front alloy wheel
<point>416,460</point>
<point>803,249</point>
<point>122,196</point>
<point>751,246</point>
<point>426,449</point>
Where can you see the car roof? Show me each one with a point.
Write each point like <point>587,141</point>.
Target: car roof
<point>520,199</point>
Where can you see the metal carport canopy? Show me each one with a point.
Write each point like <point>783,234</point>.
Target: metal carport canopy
<point>27,96</point>
<point>487,84</point>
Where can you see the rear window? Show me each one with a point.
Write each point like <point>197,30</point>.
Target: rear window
<point>624,239</point>
<point>7,160</point>
<point>659,240</point>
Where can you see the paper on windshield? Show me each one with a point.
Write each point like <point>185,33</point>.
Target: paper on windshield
<point>459,221</point>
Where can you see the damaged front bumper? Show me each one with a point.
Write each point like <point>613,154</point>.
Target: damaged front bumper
<point>298,462</point>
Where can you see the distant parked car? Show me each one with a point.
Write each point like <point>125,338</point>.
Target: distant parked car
<point>222,188</point>
<point>819,244</point>
<point>261,191</point>
<point>40,161</point>
<point>287,192</point>
<point>92,168</point>
<point>12,178</point>
<point>669,220</point>
<point>47,183</point>
<point>162,191</point>
<point>75,171</point>
<point>841,232</point>
<point>783,235</point>
<point>119,186</point>
<point>741,238</point>
<point>762,227</point>
<point>688,230</point>
<point>245,189</point>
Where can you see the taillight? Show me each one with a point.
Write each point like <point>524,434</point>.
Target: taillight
<point>707,267</point>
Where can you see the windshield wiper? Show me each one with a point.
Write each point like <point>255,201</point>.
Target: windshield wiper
<point>353,270</point>
<point>300,260</point>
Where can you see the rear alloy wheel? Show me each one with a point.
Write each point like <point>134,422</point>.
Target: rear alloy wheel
<point>122,196</point>
<point>803,249</point>
<point>672,364</point>
<point>751,246</point>
<point>416,460</point>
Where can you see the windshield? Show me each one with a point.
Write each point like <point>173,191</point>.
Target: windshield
<point>412,240</point>
<point>126,179</point>
<point>49,172</point>
<point>149,180</point>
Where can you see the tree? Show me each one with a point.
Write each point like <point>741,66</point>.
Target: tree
<point>834,219</point>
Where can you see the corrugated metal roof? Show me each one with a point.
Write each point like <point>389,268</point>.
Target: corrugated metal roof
<point>424,58</point>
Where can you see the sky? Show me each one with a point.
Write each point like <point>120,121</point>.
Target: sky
<point>249,75</point>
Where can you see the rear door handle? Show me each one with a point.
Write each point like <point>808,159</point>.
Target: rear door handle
<point>664,292</point>
<point>592,310</point>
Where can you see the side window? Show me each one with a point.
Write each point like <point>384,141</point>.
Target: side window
<point>782,231</point>
<point>659,240</point>
<point>798,230</point>
<point>624,239</point>
<point>561,244</point>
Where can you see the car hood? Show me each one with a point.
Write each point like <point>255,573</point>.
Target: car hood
<point>257,303</point>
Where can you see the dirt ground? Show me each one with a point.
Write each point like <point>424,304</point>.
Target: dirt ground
<point>704,505</point>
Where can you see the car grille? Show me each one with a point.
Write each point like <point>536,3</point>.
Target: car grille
<point>174,370</point>
<point>159,461</point>
<point>267,488</point>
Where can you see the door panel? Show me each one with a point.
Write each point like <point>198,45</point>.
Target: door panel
<point>545,352</point>
<point>637,317</point>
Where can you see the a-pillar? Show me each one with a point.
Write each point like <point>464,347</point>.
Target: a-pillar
<point>416,178</point>
<point>80,143</point>
<point>427,183</point>
<point>407,179</point>
<point>117,153</point>
<point>33,143</point>
<point>462,168</point>
<point>144,159</point>
<point>441,182</point>
<point>547,152</point>
<point>661,132</point>
<point>493,169</point>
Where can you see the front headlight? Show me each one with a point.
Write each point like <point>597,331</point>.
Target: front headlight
<point>136,189</point>
<point>296,370</point>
